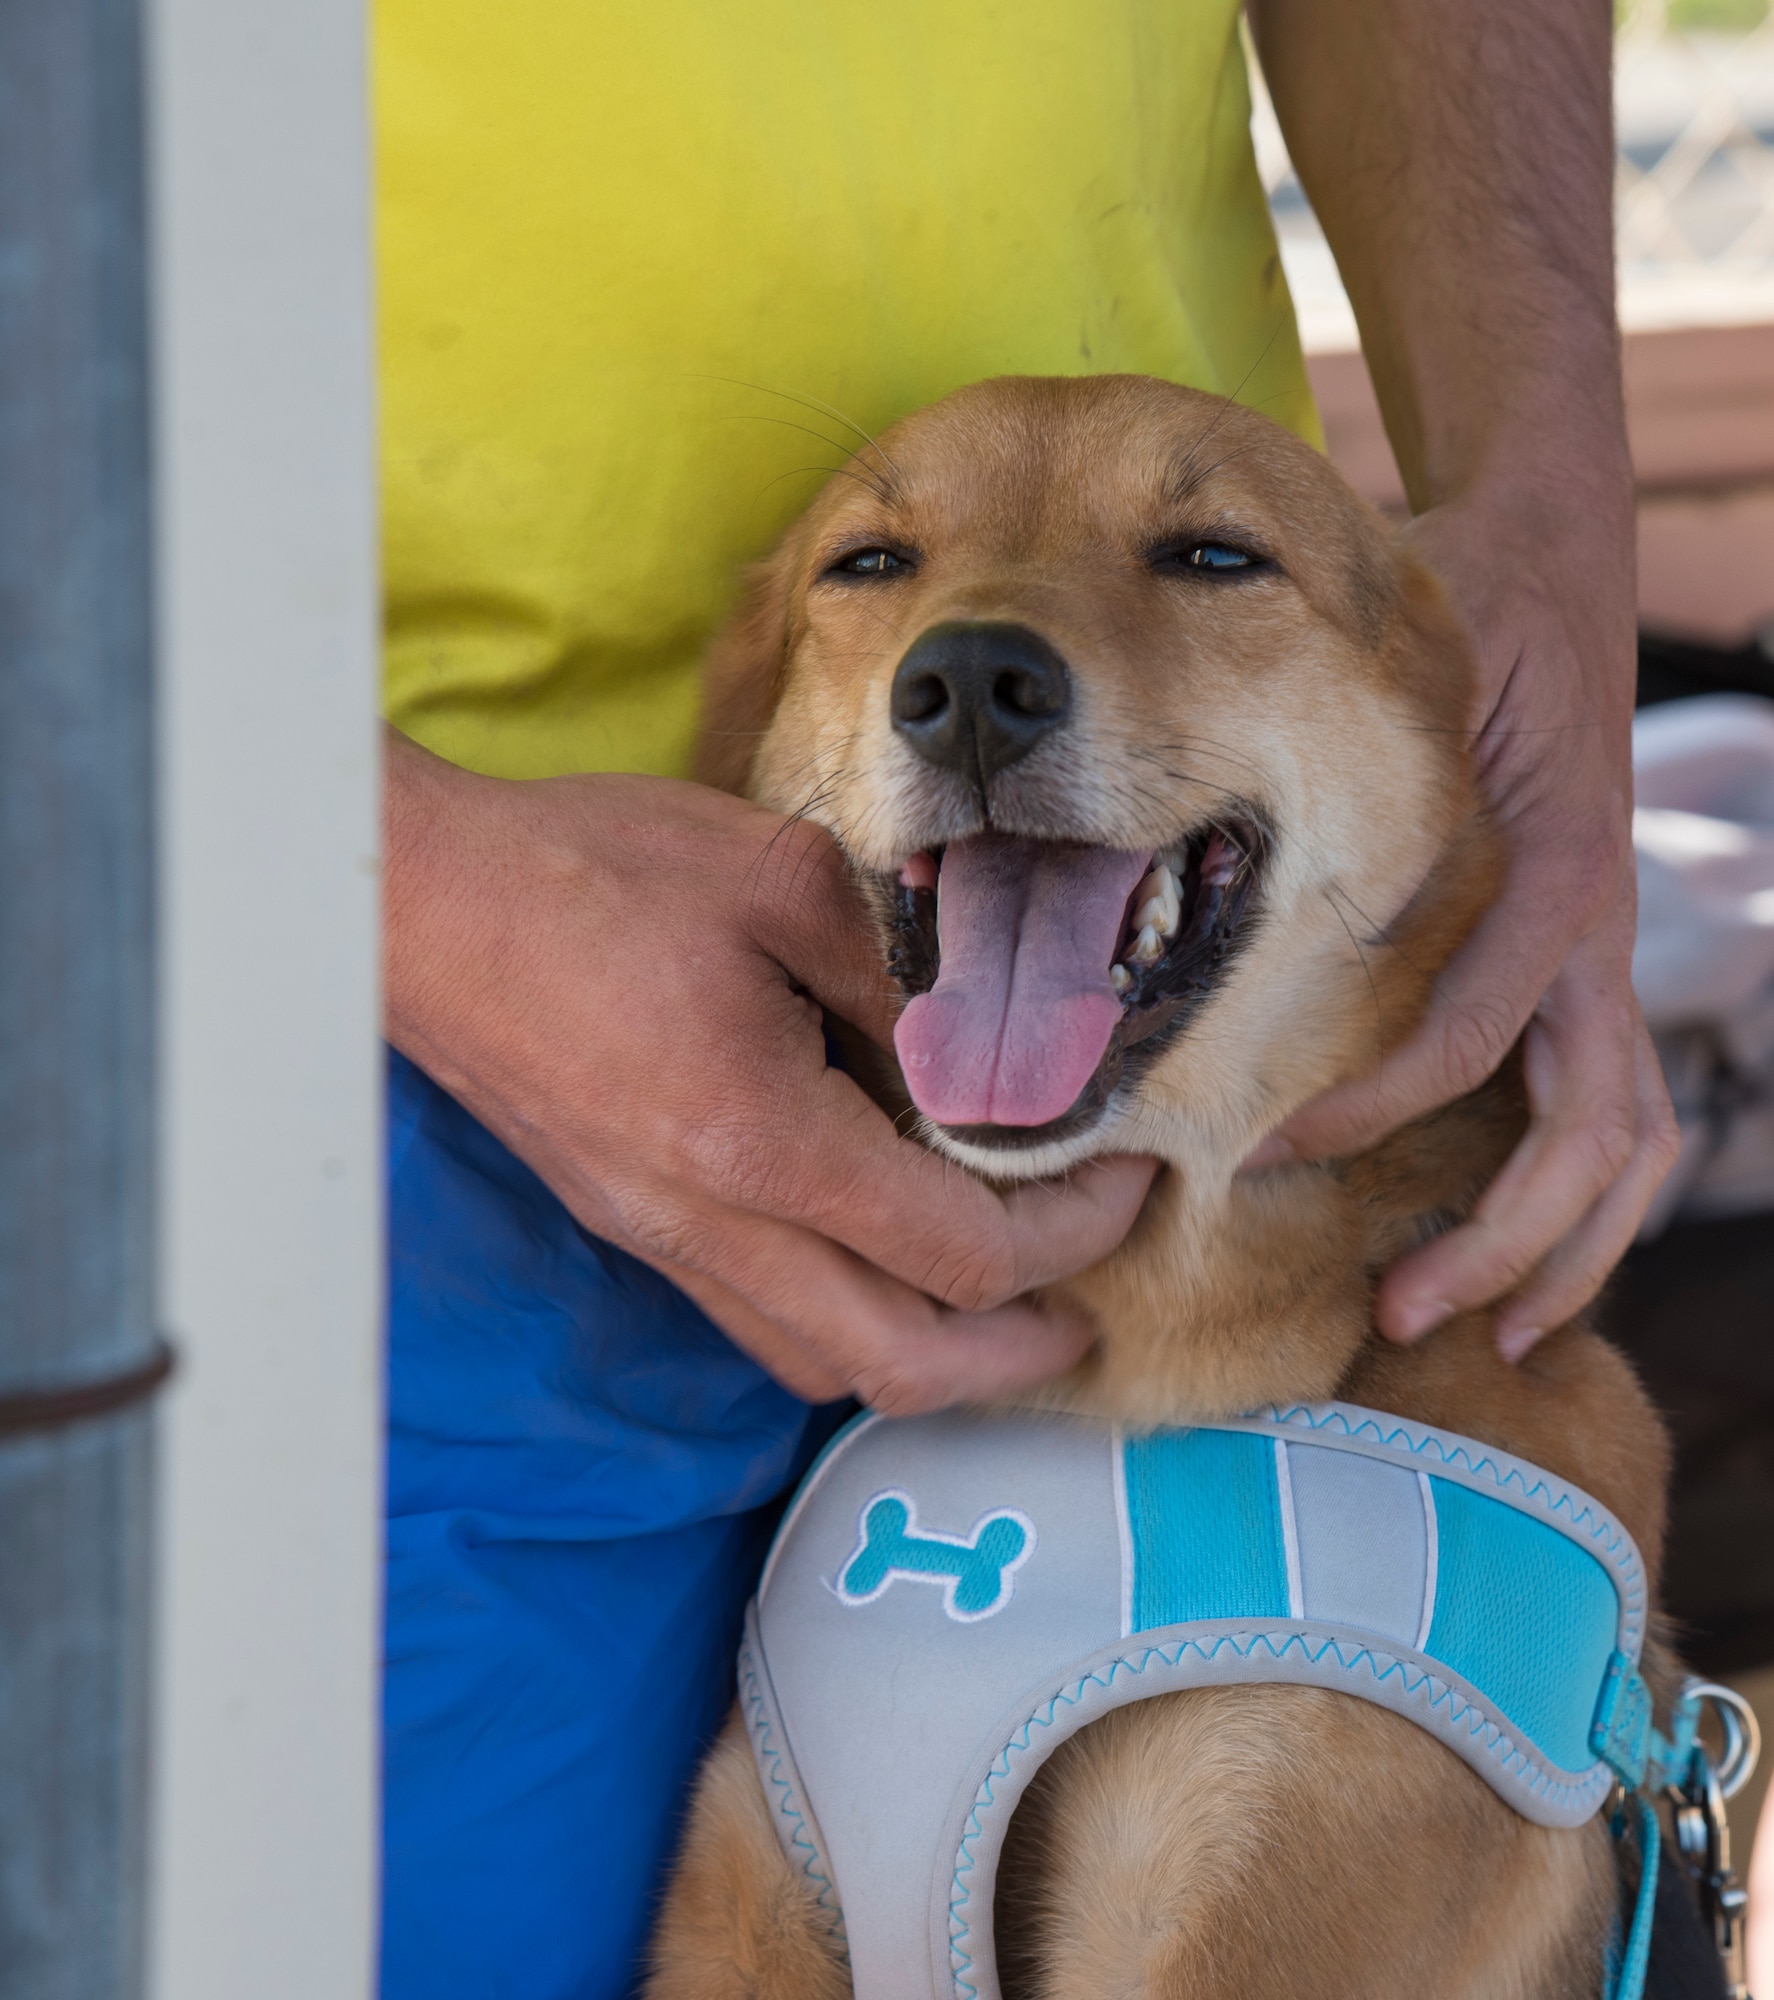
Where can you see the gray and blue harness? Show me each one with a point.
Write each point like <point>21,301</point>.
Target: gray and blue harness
<point>950,1597</point>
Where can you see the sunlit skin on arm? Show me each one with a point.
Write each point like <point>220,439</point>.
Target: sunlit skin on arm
<point>1459,154</point>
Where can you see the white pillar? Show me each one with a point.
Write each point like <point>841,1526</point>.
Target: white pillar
<point>267,1653</point>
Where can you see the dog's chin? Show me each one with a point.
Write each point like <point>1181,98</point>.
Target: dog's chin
<point>1029,1152</point>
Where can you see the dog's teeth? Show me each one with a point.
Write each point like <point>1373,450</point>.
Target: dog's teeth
<point>1120,978</point>
<point>1160,903</point>
<point>1147,948</point>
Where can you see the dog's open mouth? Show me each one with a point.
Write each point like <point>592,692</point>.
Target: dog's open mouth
<point>1036,967</point>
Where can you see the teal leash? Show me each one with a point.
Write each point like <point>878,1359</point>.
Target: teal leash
<point>1626,1980</point>
<point>1646,1762</point>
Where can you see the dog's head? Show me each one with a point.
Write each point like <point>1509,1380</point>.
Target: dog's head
<point>1146,735</point>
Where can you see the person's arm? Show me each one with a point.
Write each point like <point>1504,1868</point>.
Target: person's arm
<point>612,974</point>
<point>1460,156</point>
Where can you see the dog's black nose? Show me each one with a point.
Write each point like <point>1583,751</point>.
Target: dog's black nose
<point>975,698</point>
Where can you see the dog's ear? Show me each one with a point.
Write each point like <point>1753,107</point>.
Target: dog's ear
<point>742,678</point>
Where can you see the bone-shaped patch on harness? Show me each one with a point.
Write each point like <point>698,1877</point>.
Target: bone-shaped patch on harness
<point>977,1570</point>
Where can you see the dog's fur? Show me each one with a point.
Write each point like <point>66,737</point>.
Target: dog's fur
<point>1247,1841</point>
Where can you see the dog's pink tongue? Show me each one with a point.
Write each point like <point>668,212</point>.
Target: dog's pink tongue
<point>1022,1007</point>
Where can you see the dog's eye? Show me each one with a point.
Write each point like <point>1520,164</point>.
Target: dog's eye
<point>869,562</point>
<point>1201,555</point>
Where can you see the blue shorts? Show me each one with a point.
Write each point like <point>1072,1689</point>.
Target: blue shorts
<point>582,1475</point>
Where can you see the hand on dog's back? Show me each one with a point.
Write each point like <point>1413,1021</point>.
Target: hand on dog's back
<point>610,972</point>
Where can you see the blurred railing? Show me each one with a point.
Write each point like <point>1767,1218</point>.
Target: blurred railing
<point>1694,176</point>
<point>1694,103</point>
<point>1694,100</point>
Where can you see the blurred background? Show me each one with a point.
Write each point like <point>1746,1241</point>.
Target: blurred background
<point>1694,1303</point>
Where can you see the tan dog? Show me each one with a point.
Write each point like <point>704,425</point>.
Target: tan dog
<point>1043,636</point>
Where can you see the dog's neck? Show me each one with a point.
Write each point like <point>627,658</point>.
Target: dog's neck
<point>1238,1290</point>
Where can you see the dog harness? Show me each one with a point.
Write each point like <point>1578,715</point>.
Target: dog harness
<point>950,1597</point>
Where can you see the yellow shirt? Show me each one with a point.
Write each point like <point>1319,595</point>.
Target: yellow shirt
<point>637,256</point>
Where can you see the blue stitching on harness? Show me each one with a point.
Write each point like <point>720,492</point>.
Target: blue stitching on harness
<point>1352,1662</point>
<point>1619,1549</point>
<point>807,1857</point>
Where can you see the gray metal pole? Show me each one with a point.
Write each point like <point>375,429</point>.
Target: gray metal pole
<point>77,1354</point>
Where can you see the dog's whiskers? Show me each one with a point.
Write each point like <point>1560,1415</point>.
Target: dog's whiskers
<point>873,480</point>
<point>1367,973</point>
<point>1183,480</point>
<point>893,477</point>
<point>868,480</point>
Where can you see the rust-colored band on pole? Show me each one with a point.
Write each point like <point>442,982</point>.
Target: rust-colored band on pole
<point>27,1410</point>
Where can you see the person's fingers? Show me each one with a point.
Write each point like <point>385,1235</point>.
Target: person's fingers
<point>778,1353</point>
<point>844,1171</point>
<point>832,1162</point>
<point>1578,1267</point>
<point>935,1227</point>
<point>1482,1001</point>
<point>1478,1010</point>
<point>803,908</point>
<point>1592,1131</point>
<point>1575,1148</point>
<point>1060,1228</point>
<point>815,1316</point>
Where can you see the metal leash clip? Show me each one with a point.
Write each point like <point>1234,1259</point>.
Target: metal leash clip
<point>1697,1793</point>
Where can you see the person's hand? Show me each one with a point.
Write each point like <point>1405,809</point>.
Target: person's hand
<point>1544,582</point>
<point>619,977</point>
